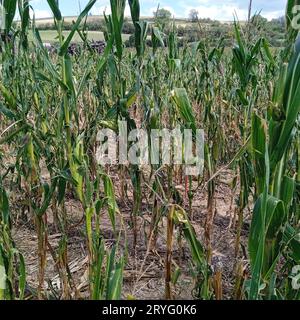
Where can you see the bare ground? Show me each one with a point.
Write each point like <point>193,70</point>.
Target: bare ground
<point>144,273</point>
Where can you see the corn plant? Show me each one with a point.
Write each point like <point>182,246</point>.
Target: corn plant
<point>52,105</point>
<point>271,143</point>
<point>12,265</point>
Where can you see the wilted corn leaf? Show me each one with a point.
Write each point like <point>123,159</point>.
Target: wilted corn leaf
<point>197,251</point>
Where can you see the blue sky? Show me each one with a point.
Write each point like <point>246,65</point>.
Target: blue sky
<point>214,9</point>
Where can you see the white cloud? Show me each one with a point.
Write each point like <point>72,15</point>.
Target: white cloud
<point>223,10</point>
<point>96,10</point>
<point>40,14</point>
<point>104,6</point>
<point>219,12</point>
<point>273,14</point>
<point>217,9</point>
<point>149,13</point>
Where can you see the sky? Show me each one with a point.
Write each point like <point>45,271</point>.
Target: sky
<point>215,9</point>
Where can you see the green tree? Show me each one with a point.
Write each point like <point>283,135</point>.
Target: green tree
<point>193,15</point>
<point>162,16</point>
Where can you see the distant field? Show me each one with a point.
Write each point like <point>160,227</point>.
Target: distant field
<point>67,19</point>
<point>179,22</point>
<point>51,36</point>
<point>89,19</point>
<point>94,18</point>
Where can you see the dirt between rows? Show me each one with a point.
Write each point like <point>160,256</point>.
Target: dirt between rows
<point>144,276</point>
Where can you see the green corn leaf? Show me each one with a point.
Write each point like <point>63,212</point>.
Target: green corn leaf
<point>141,37</point>
<point>279,88</point>
<point>53,4</point>
<point>258,138</point>
<point>103,60</point>
<point>98,283</point>
<point>114,276</point>
<point>258,227</point>
<point>287,191</point>
<point>10,7</point>
<point>7,113</point>
<point>291,238</point>
<point>65,46</point>
<point>89,212</point>
<point>157,39</point>
<point>115,282</point>
<point>238,37</point>
<point>4,207</point>
<point>3,275</point>
<point>8,96</point>
<point>69,75</point>
<point>275,217</point>
<point>175,276</point>
<point>109,268</point>
<point>61,190</point>
<point>24,14</point>
<point>135,10</point>
<point>282,131</point>
<point>48,63</point>
<point>180,98</point>
<point>266,47</point>
<point>25,19</point>
<point>15,132</point>
<point>111,200</point>
<point>242,97</point>
<point>290,16</point>
<point>48,193</point>
<point>117,15</point>
<point>22,276</point>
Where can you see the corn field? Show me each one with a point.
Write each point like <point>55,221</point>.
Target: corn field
<point>71,228</point>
